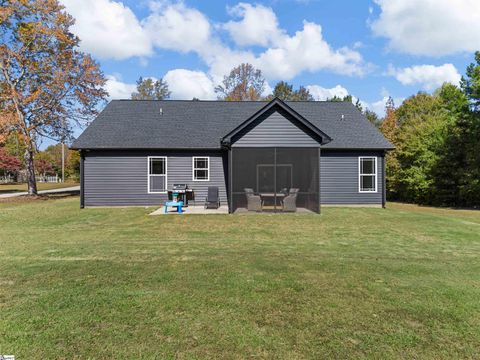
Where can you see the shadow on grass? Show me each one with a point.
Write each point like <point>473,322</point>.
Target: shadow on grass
<point>41,197</point>
<point>11,191</point>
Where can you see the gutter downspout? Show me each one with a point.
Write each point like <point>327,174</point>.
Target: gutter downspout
<point>384,181</point>
<point>319,181</point>
<point>230,181</point>
<point>82,179</point>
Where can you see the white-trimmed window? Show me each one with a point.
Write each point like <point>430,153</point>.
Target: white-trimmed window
<point>157,174</point>
<point>367,174</point>
<point>201,168</point>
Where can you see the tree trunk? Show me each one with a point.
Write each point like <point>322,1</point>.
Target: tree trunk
<point>32,182</point>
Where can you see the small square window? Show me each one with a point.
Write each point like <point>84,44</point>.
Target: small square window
<point>201,169</point>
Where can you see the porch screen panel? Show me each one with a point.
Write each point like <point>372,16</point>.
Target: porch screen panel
<point>298,168</point>
<point>251,168</point>
<point>271,170</point>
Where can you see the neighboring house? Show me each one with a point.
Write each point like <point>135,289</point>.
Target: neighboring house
<point>134,151</point>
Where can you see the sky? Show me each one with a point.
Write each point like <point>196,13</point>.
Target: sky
<point>370,49</point>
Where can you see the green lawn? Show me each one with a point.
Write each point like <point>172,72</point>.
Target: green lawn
<point>11,188</point>
<point>351,283</point>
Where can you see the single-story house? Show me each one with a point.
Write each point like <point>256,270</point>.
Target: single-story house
<point>135,150</point>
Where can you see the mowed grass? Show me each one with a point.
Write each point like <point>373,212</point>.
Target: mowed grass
<point>402,282</point>
<point>12,188</point>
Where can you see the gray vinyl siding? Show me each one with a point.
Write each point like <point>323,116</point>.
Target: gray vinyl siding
<point>339,178</point>
<point>275,130</point>
<point>120,177</point>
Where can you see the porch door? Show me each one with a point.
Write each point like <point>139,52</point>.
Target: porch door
<point>252,168</point>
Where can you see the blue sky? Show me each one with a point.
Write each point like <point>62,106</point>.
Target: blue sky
<point>370,49</point>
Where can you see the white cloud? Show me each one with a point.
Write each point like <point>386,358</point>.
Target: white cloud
<point>429,77</point>
<point>117,89</point>
<point>378,107</point>
<point>308,51</point>
<point>429,27</point>
<point>108,29</point>
<point>320,93</point>
<point>258,25</point>
<point>187,84</point>
<point>175,26</point>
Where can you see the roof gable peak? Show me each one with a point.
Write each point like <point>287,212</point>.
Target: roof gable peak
<point>276,103</point>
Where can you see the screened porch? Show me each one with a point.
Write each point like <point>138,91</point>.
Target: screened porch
<point>279,179</point>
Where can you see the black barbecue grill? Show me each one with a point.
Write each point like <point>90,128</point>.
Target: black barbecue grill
<point>181,192</point>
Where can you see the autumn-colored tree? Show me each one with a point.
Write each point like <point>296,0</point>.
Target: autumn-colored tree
<point>243,83</point>
<point>149,89</point>
<point>53,155</point>
<point>389,124</point>
<point>9,164</point>
<point>389,127</point>
<point>72,167</point>
<point>47,84</point>
<point>44,167</point>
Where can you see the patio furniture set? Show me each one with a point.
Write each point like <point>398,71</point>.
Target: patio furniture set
<point>287,198</point>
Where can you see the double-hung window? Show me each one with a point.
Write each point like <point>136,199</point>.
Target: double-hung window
<point>201,168</point>
<point>367,174</point>
<point>157,174</point>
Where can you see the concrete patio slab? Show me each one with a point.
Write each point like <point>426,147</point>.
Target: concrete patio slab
<point>199,210</point>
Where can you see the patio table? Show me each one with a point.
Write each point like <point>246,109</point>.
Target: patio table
<point>279,195</point>
<point>272,196</point>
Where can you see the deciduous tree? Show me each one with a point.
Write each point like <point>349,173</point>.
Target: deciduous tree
<point>150,89</point>
<point>47,84</point>
<point>243,83</point>
<point>9,164</point>
<point>284,91</point>
<point>389,127</point>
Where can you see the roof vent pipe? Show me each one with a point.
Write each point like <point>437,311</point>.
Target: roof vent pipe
<point>342,117</point>
<point>161,111</point>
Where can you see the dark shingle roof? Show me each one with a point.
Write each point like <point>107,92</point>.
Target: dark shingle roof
<point>136,124</point>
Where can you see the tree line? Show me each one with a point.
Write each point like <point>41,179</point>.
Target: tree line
<point>436,160</point>
<point>48,87</point>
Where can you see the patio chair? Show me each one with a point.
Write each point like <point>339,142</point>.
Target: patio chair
<point>212,201</point>
<point>289,203</point>
<point>254,202</point>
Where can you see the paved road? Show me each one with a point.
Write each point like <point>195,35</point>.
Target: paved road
<point>52,191</point>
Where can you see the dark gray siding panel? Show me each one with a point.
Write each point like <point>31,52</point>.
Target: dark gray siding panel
<point>275,130</point>
<point>120,177</point>
<point>339,178</point>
